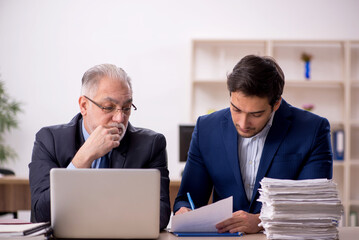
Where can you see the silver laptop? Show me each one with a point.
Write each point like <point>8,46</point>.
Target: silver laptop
<point>105,203</point>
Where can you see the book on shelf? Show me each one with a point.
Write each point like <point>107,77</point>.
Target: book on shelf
<point>338,144</point>
<point>353,219</point>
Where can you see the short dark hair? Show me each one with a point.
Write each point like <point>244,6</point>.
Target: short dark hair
<point>257,76</point>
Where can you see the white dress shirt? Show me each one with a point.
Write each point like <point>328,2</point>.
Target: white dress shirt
<point>249,155</point>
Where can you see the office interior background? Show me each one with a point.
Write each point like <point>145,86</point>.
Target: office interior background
<point>46,46</point>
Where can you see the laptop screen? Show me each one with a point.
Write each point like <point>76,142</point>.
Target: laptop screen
<point>105,203</point>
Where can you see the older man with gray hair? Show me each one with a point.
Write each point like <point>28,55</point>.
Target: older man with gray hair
<point>100,136</point>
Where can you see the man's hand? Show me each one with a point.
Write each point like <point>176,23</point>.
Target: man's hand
<point>182,210</point>
<point>101,141</point>
<point>240,221</point>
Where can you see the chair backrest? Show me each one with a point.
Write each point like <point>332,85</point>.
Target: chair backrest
<point>5,171</point>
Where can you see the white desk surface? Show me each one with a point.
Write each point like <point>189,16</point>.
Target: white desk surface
<point>345,233</point>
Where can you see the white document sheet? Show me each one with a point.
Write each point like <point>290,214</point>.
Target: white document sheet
<point>203,219</point>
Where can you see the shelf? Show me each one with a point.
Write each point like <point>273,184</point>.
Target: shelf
<point>354,140</point>
<point>326,63</point>
<point>354,98</point>
<point>333,89</point>
<point>226,42</point>
<point>355,123</point>
<point>328,102</point>
<point>208,98</point>
<point>314,84</point>
<point>354,73</point>
<point>338,178</point>
<point>215,58</point>
<point>210,81</point>
<point>336,125</point>
<point>338,163</point>
<point>354,179</point>
<point>354,162</point>
<point>288,83</point>
<point>308,43</point>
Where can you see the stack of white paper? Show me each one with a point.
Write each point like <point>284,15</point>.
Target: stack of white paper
<point>300,209</point>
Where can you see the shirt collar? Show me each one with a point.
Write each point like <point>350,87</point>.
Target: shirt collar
<point>271,120</point>
<point>85,134</point>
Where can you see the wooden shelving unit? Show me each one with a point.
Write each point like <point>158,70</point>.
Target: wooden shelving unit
<point>333,89</point>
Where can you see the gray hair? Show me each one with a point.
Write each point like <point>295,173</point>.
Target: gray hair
<point>93,75</point>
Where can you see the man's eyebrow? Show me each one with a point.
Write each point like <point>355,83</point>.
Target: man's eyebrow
<point>128,101</point>
<point>261,111</point>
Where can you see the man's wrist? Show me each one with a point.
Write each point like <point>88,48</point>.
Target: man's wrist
<point>81,161</point>
<point>71,166</point>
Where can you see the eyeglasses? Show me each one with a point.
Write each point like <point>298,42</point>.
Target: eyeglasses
<point>113,108</point>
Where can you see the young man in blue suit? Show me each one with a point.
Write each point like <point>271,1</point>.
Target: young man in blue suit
<point>102,128</point>
<point>259,135</point>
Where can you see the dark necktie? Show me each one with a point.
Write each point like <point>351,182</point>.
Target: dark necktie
<point>105,162</point>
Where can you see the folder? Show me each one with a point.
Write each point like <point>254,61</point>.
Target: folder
<point>207,234</point>
<point>338,145</point>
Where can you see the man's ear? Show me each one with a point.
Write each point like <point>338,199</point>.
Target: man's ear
<point>277,104</point>
<point>83,103</point>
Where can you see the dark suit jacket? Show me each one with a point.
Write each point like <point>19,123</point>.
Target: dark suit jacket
<point>297,147</point>
<point>55,147</point>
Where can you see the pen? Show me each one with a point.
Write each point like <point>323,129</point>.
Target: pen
<point>190,201</point>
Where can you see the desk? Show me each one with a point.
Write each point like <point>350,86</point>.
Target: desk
<point>345,233</point>
<point>14,194</point>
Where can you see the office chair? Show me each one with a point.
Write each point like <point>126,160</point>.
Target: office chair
<point>7,172</point>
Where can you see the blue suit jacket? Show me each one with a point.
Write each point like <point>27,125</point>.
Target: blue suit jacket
<point>297,147</point>
<point>55,147</point>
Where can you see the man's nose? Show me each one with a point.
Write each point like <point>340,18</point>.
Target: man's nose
<point>243,121</point>
<point>118,116</point>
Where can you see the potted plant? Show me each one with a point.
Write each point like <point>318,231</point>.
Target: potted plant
<point>9,108</point>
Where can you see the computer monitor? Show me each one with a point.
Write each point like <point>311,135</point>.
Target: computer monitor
<point>185,136</point>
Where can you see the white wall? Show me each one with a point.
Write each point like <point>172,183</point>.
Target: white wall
<point>46,46</point>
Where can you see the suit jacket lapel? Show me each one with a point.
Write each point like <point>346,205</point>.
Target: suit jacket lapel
<point>79,135</point>
<point>276,134</point>
<point>117,159</point>
<point>230,140</point>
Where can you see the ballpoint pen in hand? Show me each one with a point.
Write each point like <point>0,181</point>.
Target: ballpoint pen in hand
<point>190,201</point>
